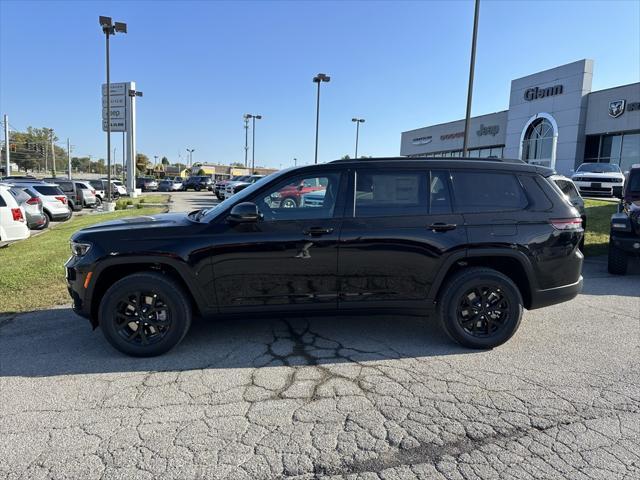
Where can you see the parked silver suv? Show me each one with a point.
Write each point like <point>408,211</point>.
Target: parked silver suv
<point>54,201</point>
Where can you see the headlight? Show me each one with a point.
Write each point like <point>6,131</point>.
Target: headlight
<point>79,249</point>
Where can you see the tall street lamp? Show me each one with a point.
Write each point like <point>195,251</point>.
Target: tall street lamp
<point>358,122</point>
<point>110,28</point>
<point>253,138</point>
<point>472,63</point>
<point>190,152</point>
<point>246,118</point>
<point>321,77</point>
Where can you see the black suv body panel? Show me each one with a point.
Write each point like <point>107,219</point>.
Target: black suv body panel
<point>378,261</point>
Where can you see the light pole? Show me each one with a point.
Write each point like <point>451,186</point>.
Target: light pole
<point>190,152</point>
<point>295,162</point>
<point>358,122</point>
<point>472,63</point>
<point>253,138</point>
<point>321,77</point>
<point>246,117</point>
<point>155,162</point>
<point>109,28</point>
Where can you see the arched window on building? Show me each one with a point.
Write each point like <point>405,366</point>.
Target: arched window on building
<point>537,145</point>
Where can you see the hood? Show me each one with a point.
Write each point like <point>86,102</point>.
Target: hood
<point>135,223</point>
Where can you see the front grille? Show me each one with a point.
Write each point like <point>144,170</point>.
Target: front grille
<point>598,180</point>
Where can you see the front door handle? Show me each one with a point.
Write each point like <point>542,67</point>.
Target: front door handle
<point>317,231</point>
<point>442,227</point>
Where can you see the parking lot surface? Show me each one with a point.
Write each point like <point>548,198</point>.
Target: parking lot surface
<point>363,397</point>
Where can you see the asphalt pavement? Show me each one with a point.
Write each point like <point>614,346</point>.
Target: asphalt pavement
<point>362,397</point>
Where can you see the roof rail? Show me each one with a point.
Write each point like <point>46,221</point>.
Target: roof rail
<point>464,159</point>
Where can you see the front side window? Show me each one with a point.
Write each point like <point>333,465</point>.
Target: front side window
<point>487,192</point>
<point>398,193</point>
<point>300,198</point>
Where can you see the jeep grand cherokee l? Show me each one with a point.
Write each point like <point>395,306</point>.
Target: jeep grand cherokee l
<point>624,238</point>
<point>473,241</point>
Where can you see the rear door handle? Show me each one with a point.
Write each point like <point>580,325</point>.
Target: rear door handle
<point>317,231</point>
<point>442,227</point>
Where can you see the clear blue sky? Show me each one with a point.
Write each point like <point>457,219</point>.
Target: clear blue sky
<point>202,65</point>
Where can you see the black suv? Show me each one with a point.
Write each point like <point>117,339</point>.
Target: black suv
<point>624,238</point>
<point>475,241</point>
<point>198,183</point>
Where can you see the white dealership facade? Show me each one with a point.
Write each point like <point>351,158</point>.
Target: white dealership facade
<point>554,119</point>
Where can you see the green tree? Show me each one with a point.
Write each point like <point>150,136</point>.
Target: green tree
<point>165,161</point>
<point>142,162</point>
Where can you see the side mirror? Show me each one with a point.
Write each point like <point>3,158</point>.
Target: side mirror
<point>245,212</point>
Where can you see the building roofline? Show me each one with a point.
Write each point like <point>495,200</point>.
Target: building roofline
<point>611,88</point>
<point>453,121</point>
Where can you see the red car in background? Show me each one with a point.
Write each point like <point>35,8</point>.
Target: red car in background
<point>291,195</point>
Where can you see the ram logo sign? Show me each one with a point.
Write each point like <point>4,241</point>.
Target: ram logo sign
<point>616,108</point>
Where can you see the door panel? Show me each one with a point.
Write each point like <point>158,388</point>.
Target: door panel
<point>288,260</point>
<point>391,259</point>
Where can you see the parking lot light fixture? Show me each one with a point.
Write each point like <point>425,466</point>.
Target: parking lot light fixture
<point>358,121</point>
<point>319,78</point>
<point>109,28</point>
<point>253,138</point>
<point>190,152</point>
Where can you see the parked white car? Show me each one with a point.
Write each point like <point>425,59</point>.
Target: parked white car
<point>13,221</point>
<point>54,202</point>
<point>599,179</point>
<point>118,186</point>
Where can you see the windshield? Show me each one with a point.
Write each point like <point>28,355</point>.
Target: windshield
<point>210,213</point>
<point>634,182</point>
<point>599,168</point>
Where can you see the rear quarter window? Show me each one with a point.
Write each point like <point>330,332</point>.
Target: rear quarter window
<point>477,192</point>
<point>48,190</point>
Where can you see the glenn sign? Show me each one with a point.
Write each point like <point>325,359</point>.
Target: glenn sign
<point>537,92</point>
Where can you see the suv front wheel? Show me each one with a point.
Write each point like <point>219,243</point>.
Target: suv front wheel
<point>144,314</point>
<point>480,308</point>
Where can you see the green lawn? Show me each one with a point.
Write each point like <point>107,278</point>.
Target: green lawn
<point>31,271</point>
<point>139,202</point>
<point>598,219</point>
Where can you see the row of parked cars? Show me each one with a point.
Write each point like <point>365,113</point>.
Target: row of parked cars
<point>28,203</point>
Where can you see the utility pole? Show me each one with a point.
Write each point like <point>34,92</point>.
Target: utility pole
<point>123,161</point>
<point>68,159</point>
<point>7,146</point>
<point>295,162</point>
<point>53,156</point>
<point>467,118</point>
<point>46,154</point>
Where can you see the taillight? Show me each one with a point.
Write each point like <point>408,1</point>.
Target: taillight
<point>566,223</point>
<point>62,199</point>
<point>93,191</point>
<point>17,215</point>
<point>34,201</point>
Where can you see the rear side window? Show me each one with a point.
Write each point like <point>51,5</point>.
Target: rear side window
<point>19,195</point>
<point>2,202</point>
<point>97,184</point>
<point>568,189</point>
<point>398,193</point>
<point>48,190</point>
<point>487,192</point>
<point>66,186</point>
<point>634,182</point>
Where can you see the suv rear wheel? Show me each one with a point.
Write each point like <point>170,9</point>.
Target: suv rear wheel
<point>144,314</point>
<point>480,308</point>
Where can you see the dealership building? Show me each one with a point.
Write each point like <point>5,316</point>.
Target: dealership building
<point>554,119</point>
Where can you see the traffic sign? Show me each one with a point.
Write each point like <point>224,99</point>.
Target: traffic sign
<point>115,100</point>
<point>116,113</point>
<point>117,125</point>
<point>116,89</point>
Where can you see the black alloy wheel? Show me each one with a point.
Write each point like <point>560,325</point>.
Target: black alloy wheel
<point>145,314</point>
<point>142,318</point>
<point>480,307</point>
<point>482,310</point>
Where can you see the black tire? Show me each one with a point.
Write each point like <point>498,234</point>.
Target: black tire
<point>47,220</point>
<point>120,301</point>
<point>197,188</point>
<point>288,202</point>
<point>504,300</point>
<point>48,215</point>
<point>98,202</point>
<point>618,260</point>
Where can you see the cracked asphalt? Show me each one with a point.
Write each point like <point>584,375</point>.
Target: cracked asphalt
<point>361,397</point>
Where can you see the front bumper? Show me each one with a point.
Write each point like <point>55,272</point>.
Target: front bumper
<point>75,286</point>
<point>599,188</point>
<point>629,242</point>
<point>551,296</point>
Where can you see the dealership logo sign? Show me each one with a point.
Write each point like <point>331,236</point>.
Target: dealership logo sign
<point>537,92</point>
<point>616,108</point>
<point>422,140</point>
<point>488,130</point>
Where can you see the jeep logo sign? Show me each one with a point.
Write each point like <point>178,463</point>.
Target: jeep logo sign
<point>537,92</point>
<point>488,130</point>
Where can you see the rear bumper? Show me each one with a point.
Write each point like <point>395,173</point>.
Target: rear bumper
<point>61,216</point>
<point>551,296</point>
